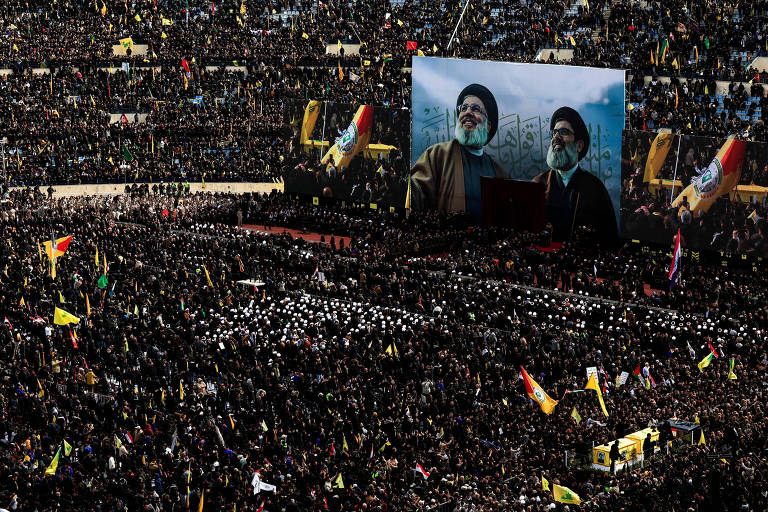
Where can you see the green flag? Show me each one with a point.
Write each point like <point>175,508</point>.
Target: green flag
<point>102,281</point>
<point>127,154</point>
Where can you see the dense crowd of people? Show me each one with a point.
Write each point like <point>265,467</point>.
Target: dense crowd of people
<point>211,90</point>
<point>338,367</point>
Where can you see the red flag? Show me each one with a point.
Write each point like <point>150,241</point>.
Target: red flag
<point>637,373</point>
<point>712,348</point>
<point>421,470</point>
<point>184,64</point>
<point>74,343</point>
<point>411,45</point>
<point>333,449</point>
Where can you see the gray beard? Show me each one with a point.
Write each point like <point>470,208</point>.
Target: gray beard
<point>473,138</point>
<point>563,160</point>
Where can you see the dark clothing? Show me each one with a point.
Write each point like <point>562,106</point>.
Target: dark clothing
<point>438,177</point>
<point>585,199</point>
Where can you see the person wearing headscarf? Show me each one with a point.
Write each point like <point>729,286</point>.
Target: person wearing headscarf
<point>446,177</point>
<point>574,196</point>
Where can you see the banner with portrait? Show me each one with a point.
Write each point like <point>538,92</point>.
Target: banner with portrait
<point>522,100</point>
<point>349,152</point>
<point>714,189</point>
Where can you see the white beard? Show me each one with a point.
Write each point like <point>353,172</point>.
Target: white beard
<point>564,159</point>
<point>473,138</point>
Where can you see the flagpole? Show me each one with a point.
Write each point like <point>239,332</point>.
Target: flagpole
<point>457,24</point>
<point>325,115</point>
<point>674,177</point>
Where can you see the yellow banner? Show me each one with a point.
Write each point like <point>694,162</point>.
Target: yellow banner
<point>721,177</point>
<point>657,155</point>
<point>310,118</point>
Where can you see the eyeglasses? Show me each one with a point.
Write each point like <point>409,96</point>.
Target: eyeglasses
<point>474,108</point>
<point>562,132</point>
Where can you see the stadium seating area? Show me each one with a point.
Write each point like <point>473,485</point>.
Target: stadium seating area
<point>67,84</point>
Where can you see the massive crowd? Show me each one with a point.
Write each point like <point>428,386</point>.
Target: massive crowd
<point>216,77</point>
<point>341,366</point>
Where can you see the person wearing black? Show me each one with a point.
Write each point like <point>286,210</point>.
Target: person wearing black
<point>647,447</point>
<point>614,455</point>
<point>573,196</point>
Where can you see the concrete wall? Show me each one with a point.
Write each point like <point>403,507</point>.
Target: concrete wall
<point>561,54</point>
<point>138,49</point>
<point>759,64</point>
<point>119,188</point>
<point>722,85</point>
<point>349,49</point>
<point>115,118</point>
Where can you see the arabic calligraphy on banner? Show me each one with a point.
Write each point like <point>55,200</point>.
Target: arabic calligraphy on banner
<point>520,145</point>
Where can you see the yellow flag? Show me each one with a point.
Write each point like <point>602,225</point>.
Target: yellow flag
<point>96,258</point>
<point>311,113</point>
<point>338,43</point>
<point>202,501</point>
<point>434,48</point>
<point>67,448</point>
<point>656,155</point>
<point>304,35</point>
<point>338,482</point>
<point>575,415</point>
<point>166,22</point>
<point>565,495</point>
<point>706,361</point>
<point>544,483</point>
<point>354,139</point>
<point>419,53</point>
<point>592,384</point>
<point>51,469</point>
<point>61,317</point>
<point>103,9</point>
<point>207,276</point>
<point>61,299</point>
<point>702,441</point>
<point>127,42</point>
<point>537,394</point>
<point>181,391</point>
<point>344,446</point>
<point>722,176</point>
<point>137,17</point>
<point>573,43</point>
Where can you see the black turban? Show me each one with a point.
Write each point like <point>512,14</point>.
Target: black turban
<point>579,128</point>
<point>488,101</point>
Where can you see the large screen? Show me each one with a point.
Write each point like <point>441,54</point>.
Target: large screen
<point>713,190</point>
<point>348,152</point>
<point>479,118</point>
